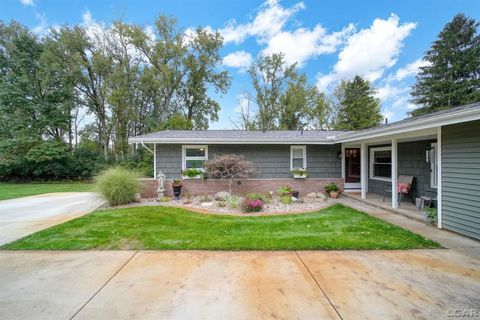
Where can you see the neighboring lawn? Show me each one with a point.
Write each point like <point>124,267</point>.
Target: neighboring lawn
<point>336,227</point>
<point>16,190</point>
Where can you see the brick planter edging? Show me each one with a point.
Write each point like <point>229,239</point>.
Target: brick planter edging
<point>239,187</point>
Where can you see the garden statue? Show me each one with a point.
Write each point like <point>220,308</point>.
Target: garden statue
<point>161,185</point>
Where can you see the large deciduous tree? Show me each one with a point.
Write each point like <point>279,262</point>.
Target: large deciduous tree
<point>452,77</point>
<point>357,107</point>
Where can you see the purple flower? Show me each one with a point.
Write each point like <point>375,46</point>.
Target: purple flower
<point>253,205</point>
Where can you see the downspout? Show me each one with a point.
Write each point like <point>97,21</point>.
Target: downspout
<point>149,150</point>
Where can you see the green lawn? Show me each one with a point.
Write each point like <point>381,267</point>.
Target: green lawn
<point>336,227</point>
<point>16,190</point>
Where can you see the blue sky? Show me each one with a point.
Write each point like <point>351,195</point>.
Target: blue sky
<point>330,40</point>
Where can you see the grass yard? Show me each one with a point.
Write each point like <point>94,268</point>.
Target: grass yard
<point>336,227</point>
<point>16,190</point>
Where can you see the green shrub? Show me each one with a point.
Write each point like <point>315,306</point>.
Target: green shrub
<point>234,202</point>
<point>118,185</point>
<point>256,196</point>
<point>430,215</point>
<point>165,199</point>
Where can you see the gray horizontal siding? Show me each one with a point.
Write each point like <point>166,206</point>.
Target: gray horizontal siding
<point>169,160</point>
<point>411,162</point>
<point>270,161</point>
<point>461,178</point>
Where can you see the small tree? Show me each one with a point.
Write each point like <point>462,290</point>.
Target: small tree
<point>229,166</point>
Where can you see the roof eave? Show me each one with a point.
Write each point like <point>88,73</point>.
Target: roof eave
<point>420,124</point>
<point>225,141</point>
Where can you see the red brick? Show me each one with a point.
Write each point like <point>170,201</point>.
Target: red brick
<point>211,186</point>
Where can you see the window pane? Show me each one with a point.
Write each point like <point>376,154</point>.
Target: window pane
<point>297,163</point>
<point>198,164</point>
<point>383,156</point>
<point>195,152</point>
<point>297,153</point>
<point>382,170</point>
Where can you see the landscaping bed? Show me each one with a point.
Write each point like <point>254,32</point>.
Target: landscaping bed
<point>211,205</point>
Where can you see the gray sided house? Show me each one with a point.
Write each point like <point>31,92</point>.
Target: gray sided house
<point>440,152</point>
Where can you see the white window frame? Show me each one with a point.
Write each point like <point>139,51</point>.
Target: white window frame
<point>372,154</point>
<point>433,165</point>
<point>185,158</point>
<point>304,152</point>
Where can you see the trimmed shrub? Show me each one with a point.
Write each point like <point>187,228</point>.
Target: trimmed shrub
<point>118,185</point>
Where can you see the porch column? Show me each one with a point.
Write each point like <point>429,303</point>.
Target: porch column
<point>343,162</point>
<point>394,173</point>
<point>439,177</point>
<point>363,170</point>
<point>155,161</point>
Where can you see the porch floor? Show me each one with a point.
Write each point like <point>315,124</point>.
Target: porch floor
<point>406,207</point>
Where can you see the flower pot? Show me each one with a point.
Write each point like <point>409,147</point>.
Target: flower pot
<point>295,194</point>
<point>299,176</point>
<point>334,194</point>
<point>286,198</point>
<point>176,192</point>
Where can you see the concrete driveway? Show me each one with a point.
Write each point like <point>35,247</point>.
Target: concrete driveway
<point>23,216</point>
<point>421,284</point>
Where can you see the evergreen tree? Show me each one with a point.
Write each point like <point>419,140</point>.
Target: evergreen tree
<point>453,76</point>
<point>357,107</point>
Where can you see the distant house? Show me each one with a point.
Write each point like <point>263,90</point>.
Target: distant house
<point>441,151</point>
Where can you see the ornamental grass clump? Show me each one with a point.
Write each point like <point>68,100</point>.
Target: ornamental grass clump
<point>118,185</point>
<point>255,205</point>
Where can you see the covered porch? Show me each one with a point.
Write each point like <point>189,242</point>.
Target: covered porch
<point>411,156</point>
<point>405,207</point>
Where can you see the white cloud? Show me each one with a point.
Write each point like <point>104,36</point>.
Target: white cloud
<point>87,18</point>
<point>42,26</point>
<point>388,92</point>
<point>369,52</point>
<point>269,21</point>
<point>302,44</point>
<point>410,69</point>
<point>238,59</point>
<point>404,103</point>
<point>28,2</point>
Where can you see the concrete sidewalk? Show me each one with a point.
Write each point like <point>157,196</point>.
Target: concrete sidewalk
<point>447,239</point>
<point>22,216</point>
<point>422,284</point>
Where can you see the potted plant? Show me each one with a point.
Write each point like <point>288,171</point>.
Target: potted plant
<point>332,190</point>
<point>192,173</point>
<point>300,173</point>
<point>177,188</point>
<point>285,193</point>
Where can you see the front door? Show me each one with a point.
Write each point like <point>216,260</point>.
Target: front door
<point>352,168</point>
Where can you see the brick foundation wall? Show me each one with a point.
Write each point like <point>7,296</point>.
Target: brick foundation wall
<point>211,186</point>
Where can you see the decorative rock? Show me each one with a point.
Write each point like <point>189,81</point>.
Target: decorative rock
<point>207,204</point>
<point>321,196</point>
<point>311,195</point>
<point>137,197</point>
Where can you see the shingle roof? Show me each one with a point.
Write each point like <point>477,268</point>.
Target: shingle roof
<point>296,136</point>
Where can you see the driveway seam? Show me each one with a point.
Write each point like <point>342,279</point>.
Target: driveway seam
<point>318,285</point>
<point>103,286</point>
